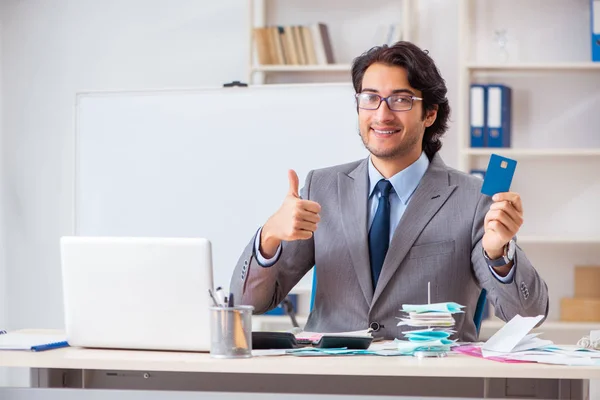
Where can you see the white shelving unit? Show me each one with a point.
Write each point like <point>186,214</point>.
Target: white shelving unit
<point>469,158</point>
<point>258,18</point>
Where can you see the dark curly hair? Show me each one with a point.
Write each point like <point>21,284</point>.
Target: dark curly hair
<point>422,75</point>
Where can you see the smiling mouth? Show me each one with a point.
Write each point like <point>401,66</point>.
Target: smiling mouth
<point>385,131</point>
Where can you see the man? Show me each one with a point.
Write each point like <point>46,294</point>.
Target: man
<point>378,230</point>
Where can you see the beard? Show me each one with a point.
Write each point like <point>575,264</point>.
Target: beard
<point>405,147</point>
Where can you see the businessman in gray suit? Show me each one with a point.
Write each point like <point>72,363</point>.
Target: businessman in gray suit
<point>379,229</point>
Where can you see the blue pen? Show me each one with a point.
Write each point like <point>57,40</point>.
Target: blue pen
<point>50,346</point>
<point>230,302</point>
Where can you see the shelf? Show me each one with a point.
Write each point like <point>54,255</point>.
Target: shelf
<point>302,68</point>
<point>557,240</point>
<point>536,67</point>
<point>532,152</point>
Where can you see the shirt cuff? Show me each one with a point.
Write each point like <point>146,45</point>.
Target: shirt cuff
<point>262,261</point>
<point>509,277</point>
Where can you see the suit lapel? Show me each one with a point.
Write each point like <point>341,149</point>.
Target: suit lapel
<point>430,195</point>
<point>353,192</point>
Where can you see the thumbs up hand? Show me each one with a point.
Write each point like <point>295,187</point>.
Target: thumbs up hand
<point>293,179</point>
<point>296,219</point>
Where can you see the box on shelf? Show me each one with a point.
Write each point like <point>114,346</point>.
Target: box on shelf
<point>580,309</point>
<point>585,305</point>
<point>587,281</point>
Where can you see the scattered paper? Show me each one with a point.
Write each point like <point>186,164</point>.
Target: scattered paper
<point>514,336</point>
<point>475,351</point>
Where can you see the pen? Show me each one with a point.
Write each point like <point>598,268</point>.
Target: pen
<point>230,302</point>
<point>220,297</point>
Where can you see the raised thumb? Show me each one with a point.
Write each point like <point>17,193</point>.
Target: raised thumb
<point>293,178</point>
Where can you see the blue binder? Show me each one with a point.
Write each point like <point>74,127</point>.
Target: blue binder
<point>595,29</point>
<point>498,116</point>
<point>477,115</point>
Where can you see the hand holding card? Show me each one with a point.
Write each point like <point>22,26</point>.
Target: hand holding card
<point>505,217</point>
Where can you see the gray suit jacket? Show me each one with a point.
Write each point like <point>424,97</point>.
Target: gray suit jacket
<point>438,240</point>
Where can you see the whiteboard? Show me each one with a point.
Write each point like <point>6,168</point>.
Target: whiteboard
<point>208,163</point>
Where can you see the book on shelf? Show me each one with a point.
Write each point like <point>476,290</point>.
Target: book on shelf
<point>294,45</point>
<point>499,116</point>
<point>477,115</point>
<point>308,44</point>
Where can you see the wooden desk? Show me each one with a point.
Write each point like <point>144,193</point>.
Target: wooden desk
<point>453,376</point>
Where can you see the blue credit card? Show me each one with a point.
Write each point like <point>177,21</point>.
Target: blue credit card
<point>499,175</point>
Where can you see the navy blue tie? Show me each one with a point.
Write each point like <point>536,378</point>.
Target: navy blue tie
<point>379,235</point>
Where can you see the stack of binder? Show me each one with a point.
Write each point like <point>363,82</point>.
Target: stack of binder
<point>490,115</point>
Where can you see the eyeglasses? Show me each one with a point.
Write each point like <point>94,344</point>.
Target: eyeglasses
<point>395,102</point>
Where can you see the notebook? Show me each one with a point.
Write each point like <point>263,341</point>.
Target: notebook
<point>31,341</point>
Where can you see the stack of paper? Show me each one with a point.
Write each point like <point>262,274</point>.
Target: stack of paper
<point>425,340</point>
<point>437,319</point>
<point>430,315</point>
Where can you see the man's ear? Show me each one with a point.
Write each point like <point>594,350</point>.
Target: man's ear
<point>431,115</point>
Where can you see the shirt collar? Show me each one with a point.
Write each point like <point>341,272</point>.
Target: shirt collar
<point>404,182</point>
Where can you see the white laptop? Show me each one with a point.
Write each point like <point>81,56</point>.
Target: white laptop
<point>137,293</point>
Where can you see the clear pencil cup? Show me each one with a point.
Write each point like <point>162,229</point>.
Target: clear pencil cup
<point>231,332</point>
